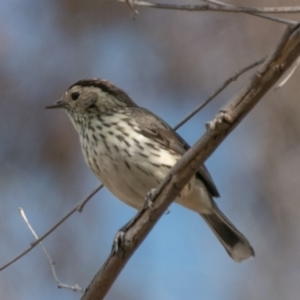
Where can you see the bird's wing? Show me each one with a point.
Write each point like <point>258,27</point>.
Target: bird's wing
<point>155,128</point>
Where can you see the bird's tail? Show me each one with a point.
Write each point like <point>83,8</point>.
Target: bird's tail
<point>237,246</point>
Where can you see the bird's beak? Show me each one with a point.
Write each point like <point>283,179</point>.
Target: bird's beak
<point>58,104</point>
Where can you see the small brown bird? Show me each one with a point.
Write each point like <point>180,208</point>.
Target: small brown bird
<point>131,151</point>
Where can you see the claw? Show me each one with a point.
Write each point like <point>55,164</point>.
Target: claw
<point>118,242</point>
<point>223,116</point>
<point>149,197</point>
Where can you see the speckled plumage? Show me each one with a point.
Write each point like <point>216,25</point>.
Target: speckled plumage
<point>131,150</point>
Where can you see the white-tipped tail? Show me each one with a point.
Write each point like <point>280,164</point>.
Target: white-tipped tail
<point>235,243</point>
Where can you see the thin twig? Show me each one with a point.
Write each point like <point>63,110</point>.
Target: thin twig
<point>78,207</point>
<point>218,91</point>
<point>245,9</point>
<point>75,287</point>
<point>220,6</point>
<point>259,12</point>
<point>250,11</point>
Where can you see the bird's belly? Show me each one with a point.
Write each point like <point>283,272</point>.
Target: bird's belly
<point>128,172</point>
<point>131,179</point>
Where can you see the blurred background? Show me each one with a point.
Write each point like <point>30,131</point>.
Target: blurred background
<point>169,62</point>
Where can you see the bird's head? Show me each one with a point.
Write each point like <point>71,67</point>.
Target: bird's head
<point>93,96</point>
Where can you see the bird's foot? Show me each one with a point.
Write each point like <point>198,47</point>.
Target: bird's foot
<point>222,117</point>
<point>149,199</point>
<point>119,242</point>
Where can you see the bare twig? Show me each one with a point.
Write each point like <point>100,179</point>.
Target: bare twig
<point>275,19</point>
<point>75,287</point>
<point>259,12</point>
<point>245,9</point>
<point>277,63</point>
<point>219,90</point>
<point>249,11</point>
<point>220,6</point>
<point>78,207</point>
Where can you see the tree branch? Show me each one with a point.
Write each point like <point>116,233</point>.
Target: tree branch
<point>216,6</point>
<point>276,64</point>
<point>253,11</point>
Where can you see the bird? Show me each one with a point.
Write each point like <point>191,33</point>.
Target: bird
<point>131,150</point>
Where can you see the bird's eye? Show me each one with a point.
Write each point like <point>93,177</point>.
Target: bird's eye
<point>75,96</point>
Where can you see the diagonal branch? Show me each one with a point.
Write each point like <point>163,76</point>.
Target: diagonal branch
<point>276,64</point>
